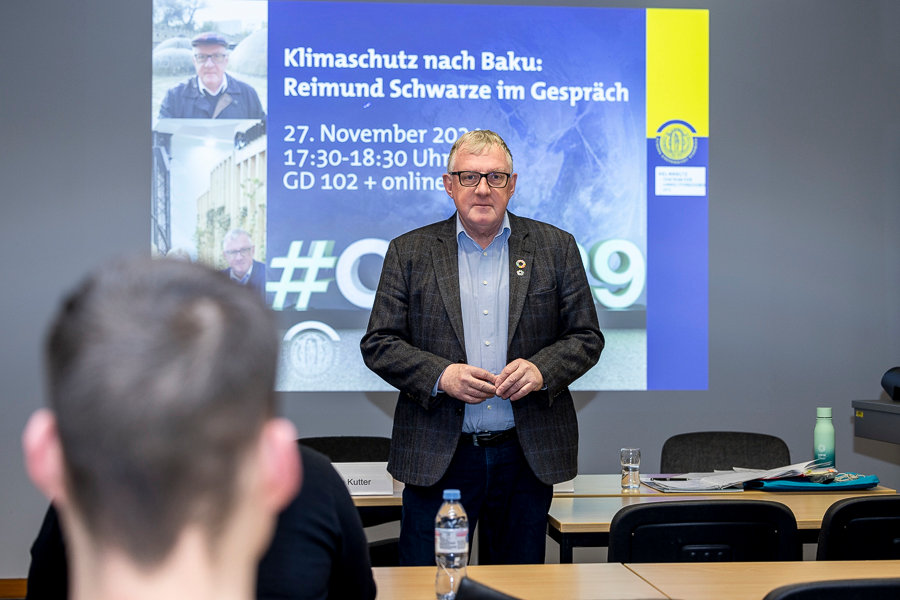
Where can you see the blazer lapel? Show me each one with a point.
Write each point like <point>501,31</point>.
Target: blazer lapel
<point>446,271</point>
<point>521,260</point>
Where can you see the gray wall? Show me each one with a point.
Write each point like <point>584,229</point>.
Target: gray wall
<point>804,221</point>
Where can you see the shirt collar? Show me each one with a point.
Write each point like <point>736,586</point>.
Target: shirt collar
<point>221,89</point>
<point>505,228</point>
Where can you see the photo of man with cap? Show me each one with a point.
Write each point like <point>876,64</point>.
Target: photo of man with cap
<point>211,93</point>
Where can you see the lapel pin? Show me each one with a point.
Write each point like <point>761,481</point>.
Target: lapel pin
<point>520,272</point>
<point>520,264</point>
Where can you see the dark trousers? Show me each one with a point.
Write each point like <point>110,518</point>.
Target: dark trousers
<point>499,493</point>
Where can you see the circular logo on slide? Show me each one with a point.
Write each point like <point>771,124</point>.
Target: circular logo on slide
<point>311,348</point>
<point>675,141</point>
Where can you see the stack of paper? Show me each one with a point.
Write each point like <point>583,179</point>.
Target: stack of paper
<point>720,481</point>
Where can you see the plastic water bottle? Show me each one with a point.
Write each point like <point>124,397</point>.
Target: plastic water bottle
<point>823,437</point>
<point>451,545</point>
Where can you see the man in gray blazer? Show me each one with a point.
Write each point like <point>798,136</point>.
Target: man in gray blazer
<point>482,321</point>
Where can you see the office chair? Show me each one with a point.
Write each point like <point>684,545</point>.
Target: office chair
<point>350,448</point>
<point>704,451</point>
<point>864,528</point>
<point>358,448</point>
<point>704,531</point>
<point>469,589</point>
<point>839,589</point>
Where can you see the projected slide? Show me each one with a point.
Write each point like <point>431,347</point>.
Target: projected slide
<point>333,135</point>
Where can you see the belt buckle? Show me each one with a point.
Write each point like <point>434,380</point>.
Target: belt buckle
<point>484,435</point>
<point>487,438</point>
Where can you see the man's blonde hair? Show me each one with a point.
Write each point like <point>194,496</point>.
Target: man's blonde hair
<point>478,141</point>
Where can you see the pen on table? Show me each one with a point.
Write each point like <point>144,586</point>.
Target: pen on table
<point>668,479</point>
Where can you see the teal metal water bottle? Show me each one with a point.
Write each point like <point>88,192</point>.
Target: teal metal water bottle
<point>823,437</point>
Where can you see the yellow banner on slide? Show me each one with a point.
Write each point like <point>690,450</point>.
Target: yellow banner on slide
<point>677,68</point>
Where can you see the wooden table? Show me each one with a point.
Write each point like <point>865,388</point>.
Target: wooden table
<point>602,485</point>
<point>586,486</point>
<point>386,508</point>
<point>752,580</point>
<point>599,581</point>
<point>529,582</point>
<point>581,518</point>
<point>584,521</point>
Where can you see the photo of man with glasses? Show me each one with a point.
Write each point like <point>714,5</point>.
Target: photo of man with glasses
<point>211,93</point>
<point>238,249</point>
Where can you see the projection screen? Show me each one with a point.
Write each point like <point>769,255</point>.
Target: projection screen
<point>330,133</point>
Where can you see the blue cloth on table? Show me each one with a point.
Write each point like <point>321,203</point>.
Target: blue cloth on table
<point>798,484</point>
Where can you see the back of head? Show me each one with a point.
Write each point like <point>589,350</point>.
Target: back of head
<point>161,374</point>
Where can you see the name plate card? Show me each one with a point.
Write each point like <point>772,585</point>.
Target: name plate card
<point>366,478</point>
<point>564,487</point>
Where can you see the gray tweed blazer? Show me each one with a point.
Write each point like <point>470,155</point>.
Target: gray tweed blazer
<point>416,330</point>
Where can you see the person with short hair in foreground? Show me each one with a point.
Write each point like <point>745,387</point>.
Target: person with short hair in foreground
<point>319,550</point>
<point>160,448</point>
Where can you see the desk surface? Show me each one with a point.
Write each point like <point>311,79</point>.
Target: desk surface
<point>377,500</point>
<point>593,514</point>
<point>607,484</point>
<point>592,486</point>
<point>598,581</point>
<point>752,581</point>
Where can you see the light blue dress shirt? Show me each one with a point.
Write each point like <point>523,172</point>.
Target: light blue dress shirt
<point>484,298</point>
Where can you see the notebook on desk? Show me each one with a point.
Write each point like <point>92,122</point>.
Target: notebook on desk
<point>678,483</point>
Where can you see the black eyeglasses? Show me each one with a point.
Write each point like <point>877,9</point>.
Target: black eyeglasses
<point>240,251</point>
<point>495,179</point>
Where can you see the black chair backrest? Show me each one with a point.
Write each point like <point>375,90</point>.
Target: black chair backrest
<point>704,451</point>
<point>359,448</point>
<point>864,528</point>
<point>350,448</point>
<point>839,589</point>
<point>703,531</point>
<point>362,448</point>
<point>469,589</point>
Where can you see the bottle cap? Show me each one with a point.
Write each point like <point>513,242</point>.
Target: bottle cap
<point>823,411</point>
<point>454,494</point>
